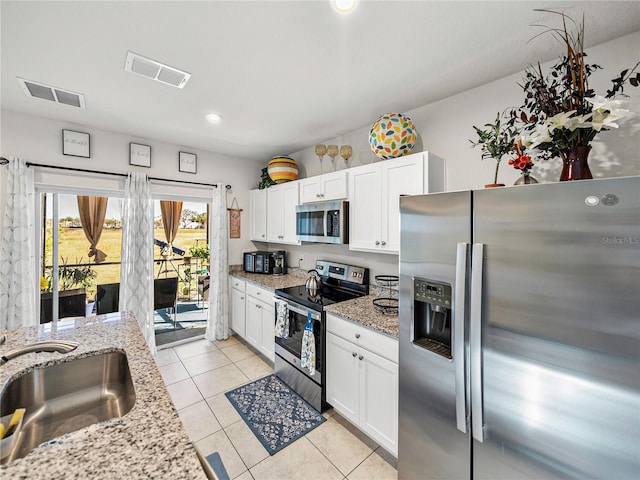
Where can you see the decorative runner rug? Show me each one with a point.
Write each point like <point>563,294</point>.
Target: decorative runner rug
<point>275,414</point>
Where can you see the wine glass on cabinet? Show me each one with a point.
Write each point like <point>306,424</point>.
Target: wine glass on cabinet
<point>346,152</point>
<point>332,151</point>
<point>321,150</point>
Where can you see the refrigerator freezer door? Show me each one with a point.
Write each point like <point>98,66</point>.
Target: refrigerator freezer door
<point>560,330</point>
<point>430,444</point>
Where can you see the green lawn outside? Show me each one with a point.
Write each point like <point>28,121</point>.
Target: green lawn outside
<point>74,249</point>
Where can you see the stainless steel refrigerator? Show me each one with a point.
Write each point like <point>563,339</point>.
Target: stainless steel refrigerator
<point>520,332</point>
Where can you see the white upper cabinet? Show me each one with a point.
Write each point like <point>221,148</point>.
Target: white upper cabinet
<point>281,213</point>
<point>258,215</point>
<point>374,198</point>
<point>330,186</point>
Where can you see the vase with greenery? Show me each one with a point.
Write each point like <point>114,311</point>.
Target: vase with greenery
<point>561,114</point>
<point>496,140</point>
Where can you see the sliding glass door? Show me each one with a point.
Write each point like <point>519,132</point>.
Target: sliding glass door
<point>80,245</point>
<point>181,257</point>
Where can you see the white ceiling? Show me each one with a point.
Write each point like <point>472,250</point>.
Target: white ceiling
<point>284,75</point>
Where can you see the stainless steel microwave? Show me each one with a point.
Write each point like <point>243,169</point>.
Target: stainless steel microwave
<point>323,222</point>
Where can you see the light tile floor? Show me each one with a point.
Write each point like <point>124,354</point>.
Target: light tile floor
<point>198,373</point>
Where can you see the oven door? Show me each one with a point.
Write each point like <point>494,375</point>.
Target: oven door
<point>291,347</point>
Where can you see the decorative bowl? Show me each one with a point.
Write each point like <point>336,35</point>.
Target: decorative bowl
<point>282,169</point>
<point>392,135</point>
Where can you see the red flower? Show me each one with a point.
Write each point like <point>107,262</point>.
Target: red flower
<point>522,162</point>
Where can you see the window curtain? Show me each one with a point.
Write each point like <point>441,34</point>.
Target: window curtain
<point>92,212</point>
<point>17,253</point>
<point>136,275</point>
<point>171,212</point>
<point>218,324</point>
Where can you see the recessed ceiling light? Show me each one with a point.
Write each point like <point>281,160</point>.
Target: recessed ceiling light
<point>344,6</point>
<point>214,118</point>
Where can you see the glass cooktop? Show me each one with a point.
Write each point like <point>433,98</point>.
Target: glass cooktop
<point>328,295</point>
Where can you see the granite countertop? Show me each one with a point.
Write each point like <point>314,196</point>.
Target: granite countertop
<point>273,282</point>
<point>148,442</point>
<point>359,310</point>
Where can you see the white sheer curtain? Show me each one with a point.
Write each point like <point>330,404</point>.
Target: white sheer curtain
<point>17,254</point>
<point>136,275</point>
<point>218,324</point>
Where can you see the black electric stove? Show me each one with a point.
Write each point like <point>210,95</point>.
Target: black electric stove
<point>339,283</point>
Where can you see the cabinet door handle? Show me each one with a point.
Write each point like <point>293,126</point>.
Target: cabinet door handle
<point>354,354</point>
<point>377,242</point>
<point>357,335</point>
<point>241,298</point>
<point>384,243</point>
<point>360,357</point>
<point>262,235</point>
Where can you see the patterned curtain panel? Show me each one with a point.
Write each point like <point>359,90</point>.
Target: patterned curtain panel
<point>136,275</point>
<point>218,324</point>
<point>17,254</point>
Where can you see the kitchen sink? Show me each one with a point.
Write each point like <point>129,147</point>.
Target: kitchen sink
<point>68,396</point>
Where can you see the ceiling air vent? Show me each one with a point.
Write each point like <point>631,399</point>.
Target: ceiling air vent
<point>155,70</point>
<point>53,94</point>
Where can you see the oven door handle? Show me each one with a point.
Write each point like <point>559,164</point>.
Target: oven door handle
<point>298,309</point>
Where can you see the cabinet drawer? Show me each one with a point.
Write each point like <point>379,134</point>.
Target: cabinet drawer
<point>237,283</point>
<point>259,293</point>
<point>383,345</point>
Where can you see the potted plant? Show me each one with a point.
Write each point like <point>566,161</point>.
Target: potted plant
<point>72,284</point>
<point>265,179</point>
<point>561,115</point>
<point>186,282</point>
<point>497,140</point>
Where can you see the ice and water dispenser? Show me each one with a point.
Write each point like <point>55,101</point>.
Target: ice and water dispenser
<point>432,316</point>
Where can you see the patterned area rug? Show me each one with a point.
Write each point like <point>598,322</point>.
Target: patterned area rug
<point>275,414</point>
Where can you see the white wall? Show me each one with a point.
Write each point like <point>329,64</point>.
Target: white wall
<point>445,128</point>
<point>39,140</point>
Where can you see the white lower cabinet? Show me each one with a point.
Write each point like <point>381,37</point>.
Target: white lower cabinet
<point>362,385</point>
<point>260,320</point>
<point>237,317</point>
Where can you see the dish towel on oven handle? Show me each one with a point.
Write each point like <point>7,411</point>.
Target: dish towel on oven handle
<point>282,319</point>
<point>308,353</point>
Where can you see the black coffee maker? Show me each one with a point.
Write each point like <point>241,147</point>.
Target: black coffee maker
<point>279,262</point>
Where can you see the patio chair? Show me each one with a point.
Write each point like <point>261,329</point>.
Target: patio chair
<point>165,295</point>
<point>107,298</point>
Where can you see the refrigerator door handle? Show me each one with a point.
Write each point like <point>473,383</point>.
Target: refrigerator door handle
<point>475,342</point>
<point>458,335</point>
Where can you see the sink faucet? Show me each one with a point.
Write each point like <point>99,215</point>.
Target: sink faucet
<point>59,346</point>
